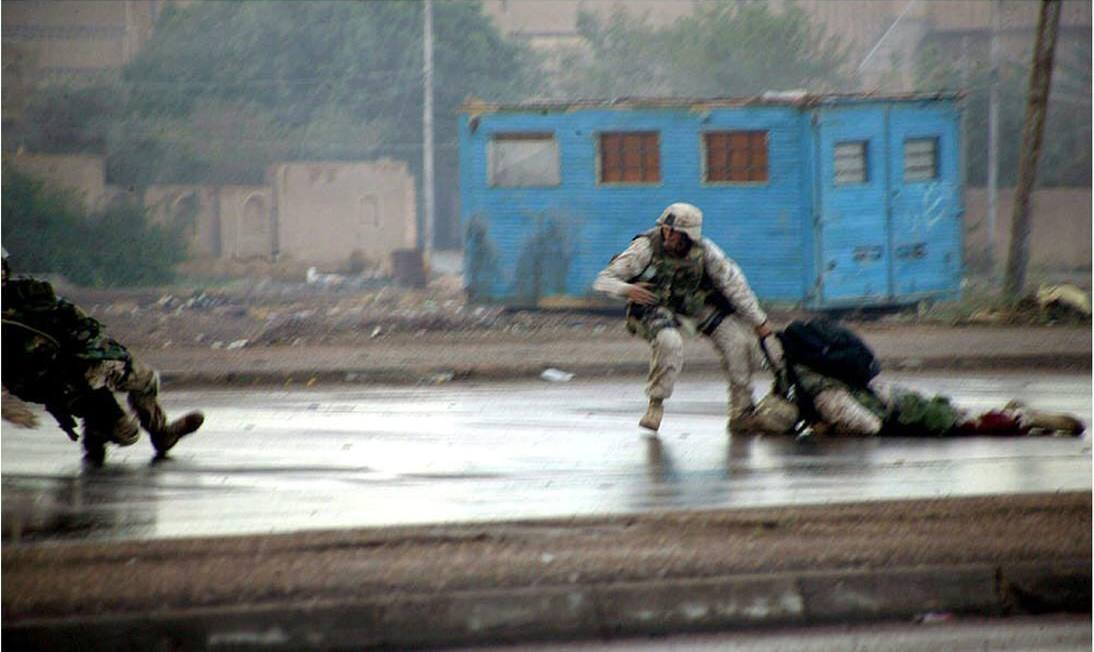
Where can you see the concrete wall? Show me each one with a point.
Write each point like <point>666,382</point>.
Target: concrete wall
<point>1061,219</point>
<point>197,207</point>
<point>328,211</point>
<point>246,222</point>
<point>82,173</point>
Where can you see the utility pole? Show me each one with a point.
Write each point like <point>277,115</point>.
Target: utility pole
<point>1040,79</point>
<point>993,139</point>
<point>427,132</point>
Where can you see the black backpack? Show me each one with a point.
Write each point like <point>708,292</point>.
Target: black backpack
<point>829,349</point>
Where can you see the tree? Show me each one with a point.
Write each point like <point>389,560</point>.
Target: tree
<point>60,117</point>
<point>326,80</point>
<point>48,230</point>
<point>224,89</point>
<point>721,49</point>
<point>1065,155</point>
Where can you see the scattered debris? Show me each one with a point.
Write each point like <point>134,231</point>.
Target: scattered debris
<point>556,375</point>
<point>1062,303</point>
<point>934,617</point>
<point>1064,300</point>
<point>272,312</point>
<point>441,378</point>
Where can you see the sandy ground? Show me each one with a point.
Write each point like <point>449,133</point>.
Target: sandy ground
<point>279,326</point>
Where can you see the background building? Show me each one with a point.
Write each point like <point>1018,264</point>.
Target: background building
<point>46,39</point>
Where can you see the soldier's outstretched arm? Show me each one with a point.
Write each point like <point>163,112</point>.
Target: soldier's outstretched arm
<point>614,279</point>
<point>16,411</point>
<point>728,279</point>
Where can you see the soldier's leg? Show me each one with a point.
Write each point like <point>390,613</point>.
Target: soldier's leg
<point>739,349</point>
<point>142,385</point>
<point>843,414</point>
<point>666,361</point>
<point>100,411</point>
<point>103,421</point>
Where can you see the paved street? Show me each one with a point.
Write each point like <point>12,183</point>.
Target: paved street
<point>279,461</point>
<point>943,632</point>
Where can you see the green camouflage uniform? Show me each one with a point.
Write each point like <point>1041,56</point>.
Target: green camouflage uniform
<point>900,411</point>
<point>55,354</point>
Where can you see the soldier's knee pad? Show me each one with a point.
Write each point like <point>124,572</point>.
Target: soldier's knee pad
<point>669,339</point>
<point>143,380</point>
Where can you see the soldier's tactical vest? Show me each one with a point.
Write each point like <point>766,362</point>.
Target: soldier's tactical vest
<point>682,288</point>
<point>48,343</point>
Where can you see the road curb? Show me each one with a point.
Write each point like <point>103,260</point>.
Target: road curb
<point>441,375</point>
<point>583,611</point>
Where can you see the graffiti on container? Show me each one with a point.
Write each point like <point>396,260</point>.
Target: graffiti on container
<point>482,260</point>
<point>933,205</point>
<point>544,260</point>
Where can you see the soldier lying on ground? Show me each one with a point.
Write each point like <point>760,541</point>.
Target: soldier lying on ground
<point>56,355</point>
<point>808,397</point>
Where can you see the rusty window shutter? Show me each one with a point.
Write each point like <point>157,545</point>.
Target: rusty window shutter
<point>630,157</point>
<point>736,155</point>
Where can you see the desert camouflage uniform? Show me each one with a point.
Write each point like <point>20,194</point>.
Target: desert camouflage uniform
<point>663,325</point>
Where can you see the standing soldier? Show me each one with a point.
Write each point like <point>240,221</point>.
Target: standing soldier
<point>677,281</point>
<point>56,355</point>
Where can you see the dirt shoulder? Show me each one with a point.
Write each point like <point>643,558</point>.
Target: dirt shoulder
<point>434,358</point>
<point>264,332</point>
<point>933,536</point>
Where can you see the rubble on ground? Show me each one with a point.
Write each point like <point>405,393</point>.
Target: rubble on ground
<point>263,313</point>
<point>1062,303</point>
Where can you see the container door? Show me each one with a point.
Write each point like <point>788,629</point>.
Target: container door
<point>925,200</point>
<point>851,213</point>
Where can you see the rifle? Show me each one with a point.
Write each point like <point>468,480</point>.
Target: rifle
<point>64,419</point>
<point>787,384</point>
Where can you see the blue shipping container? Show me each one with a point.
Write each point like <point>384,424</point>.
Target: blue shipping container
<point>824,201</point>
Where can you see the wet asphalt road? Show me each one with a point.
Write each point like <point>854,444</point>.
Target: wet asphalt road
<point>1057,633</point>
<point>278,461</point>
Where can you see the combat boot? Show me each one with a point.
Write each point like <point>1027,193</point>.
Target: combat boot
<point>94,448</point>
<point>744,423</point>
<point>112,425</point>
<point>1045,422</point>
<point>652,418</point>
<point>165,438</point>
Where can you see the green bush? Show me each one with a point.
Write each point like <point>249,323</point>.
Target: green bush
<point>48,231</point>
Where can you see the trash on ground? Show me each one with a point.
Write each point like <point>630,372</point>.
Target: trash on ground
<point>1065,299</point>
<point>933,617</point>
<point>556,375</point>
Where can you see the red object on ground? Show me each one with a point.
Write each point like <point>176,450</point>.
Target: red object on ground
<point>995,423</point>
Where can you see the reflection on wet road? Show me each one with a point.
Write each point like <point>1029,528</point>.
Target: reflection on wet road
<point>277,461</point>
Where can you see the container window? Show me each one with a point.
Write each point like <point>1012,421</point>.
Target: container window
<point>920,159</point>
<point>850,162</point>
<point>521,160</point>
<point>736,155</point>
<point>630,157</point>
